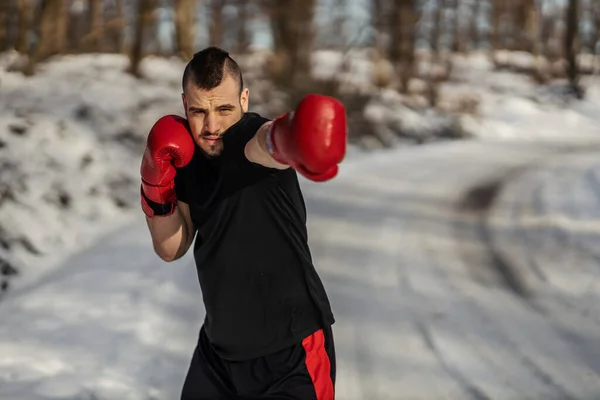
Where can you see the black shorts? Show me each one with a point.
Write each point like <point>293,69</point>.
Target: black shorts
<point>305,371</point>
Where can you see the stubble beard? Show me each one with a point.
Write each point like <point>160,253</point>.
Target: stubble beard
<point>213,150</point>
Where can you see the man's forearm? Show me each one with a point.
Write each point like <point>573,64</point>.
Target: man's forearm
<point>256,149</point>
<point>170,235</point>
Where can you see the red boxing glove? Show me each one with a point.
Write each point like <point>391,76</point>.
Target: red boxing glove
<point>312,139</point>
<point>169,146</point>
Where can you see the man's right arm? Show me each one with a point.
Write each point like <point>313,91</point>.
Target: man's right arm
<point>172,235</point>
<point>169,147</point>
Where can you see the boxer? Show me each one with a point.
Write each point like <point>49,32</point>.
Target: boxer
<point>226,180</point>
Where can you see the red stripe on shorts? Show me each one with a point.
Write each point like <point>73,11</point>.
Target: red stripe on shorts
<point>317,362</point>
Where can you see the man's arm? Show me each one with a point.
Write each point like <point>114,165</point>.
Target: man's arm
<point>172,235</point>
<point>256,149</point>
<point>169,146</point>
<point>311,139</point>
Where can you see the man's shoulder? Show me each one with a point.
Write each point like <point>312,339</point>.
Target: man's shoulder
<point>253,121</point>
<point>243,130</point>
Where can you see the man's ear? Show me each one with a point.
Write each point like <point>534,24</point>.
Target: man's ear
<point>244,99</point>
<point>184,103</point>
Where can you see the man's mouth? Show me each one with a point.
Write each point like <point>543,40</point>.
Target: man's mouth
<point>211,139</point>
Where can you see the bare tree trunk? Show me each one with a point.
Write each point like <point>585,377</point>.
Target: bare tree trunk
<point>4,23</point>
<point>547,26</point>
<point>499,8</point>
<point>457,44</point>
<point>518,25</point>
<point>473,27</point>
<point>216,22</point>
<point>114,28</point>
<point>45,45</point>
<point>184,28</point>
<point>404,18</point>
<point>382,73</point>
<point>25,15</point>
<point>77,27</point>
<point>571,39</point>
<point>9,22</point>
<point>243,33</point>
<point>434,40</point>
<point>143,24</point>
<point>596,39</point>
<point>379,25</point>
<point>93,41</point>
<point>532,26</point>
<point>293,39</point>
<point>526,25</point>
<point>62,23</point>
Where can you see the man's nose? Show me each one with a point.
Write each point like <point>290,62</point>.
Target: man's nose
<point>211,125</point>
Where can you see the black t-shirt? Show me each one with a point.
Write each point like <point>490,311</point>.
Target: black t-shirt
<point>260,289</point>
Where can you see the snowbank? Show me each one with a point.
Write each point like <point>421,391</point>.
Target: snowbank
<point>71,139</point>
<point>513,106</point>
<point>546,226</point>
<point>477,100</point>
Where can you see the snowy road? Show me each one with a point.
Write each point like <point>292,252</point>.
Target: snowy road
<point>423,254</point>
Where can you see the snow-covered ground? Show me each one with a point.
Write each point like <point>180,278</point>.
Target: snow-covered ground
<point>71,141</point>
<point>512,107</point>
<point>105,319</point>
<point>402,240</point>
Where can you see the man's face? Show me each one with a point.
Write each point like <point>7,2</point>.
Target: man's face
<point>211,112</point>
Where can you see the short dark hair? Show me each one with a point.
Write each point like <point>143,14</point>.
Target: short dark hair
<point>208,67</point>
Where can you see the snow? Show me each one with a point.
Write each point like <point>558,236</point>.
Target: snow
<point>72,138</point>
<point>512,106</point>
<point>112,323</point>
<point>423,309</point>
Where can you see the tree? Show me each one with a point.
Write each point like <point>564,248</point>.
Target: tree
<point>436,28</point>
<point>434,42</point>
<point>526,28</point>
<point>25,21</point>
<point>596,37</point>
<point>51,38</point>
<point>242,33</point>
<point>184,28</point>
<point>93,41</point>
<point>380,26</point>
<point>61,21</point>
<point>571,39</point>
<point>457,39</point>
<point>144,23</point>
<point>115,25</point>
<point>215,30</point>
<point>5,13</point>
<point>499,9</point>
<point>473,26</point>
<point>293,40</point>
<point>402,45</point>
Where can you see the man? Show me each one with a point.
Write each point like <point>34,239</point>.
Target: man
<point>227,177</point>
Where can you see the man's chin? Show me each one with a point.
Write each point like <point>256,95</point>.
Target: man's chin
<point>212,150</point>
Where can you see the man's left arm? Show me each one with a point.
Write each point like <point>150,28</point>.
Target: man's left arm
<point>311,139</point>
<point>256,149</point>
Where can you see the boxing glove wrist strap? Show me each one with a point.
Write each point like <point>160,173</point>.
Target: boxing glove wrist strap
<point>270,142</point>
<point>152,208</point>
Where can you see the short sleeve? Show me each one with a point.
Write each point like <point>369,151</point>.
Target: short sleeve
<point>239,135</point>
